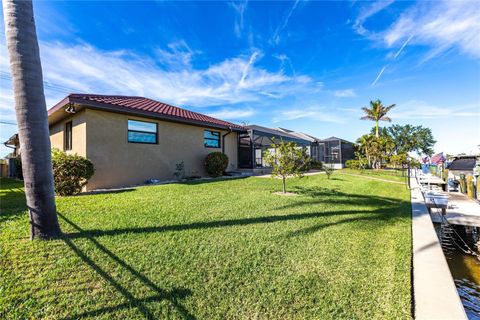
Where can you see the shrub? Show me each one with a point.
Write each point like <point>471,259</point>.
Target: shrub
<point>353,164</point>
<point>179,171</point>
<point>317,165</point>
<point>216,163</point>
<point>70,172</point>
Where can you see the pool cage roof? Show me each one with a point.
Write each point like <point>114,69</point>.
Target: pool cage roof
<point>264,137</point>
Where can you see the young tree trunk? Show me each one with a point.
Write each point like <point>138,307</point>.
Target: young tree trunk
<point>32,117</point>
<point>284,184</point>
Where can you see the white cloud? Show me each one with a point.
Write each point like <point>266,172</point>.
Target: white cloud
<point>311,113</point>
<point>345,93</point>
<point>178,55</point>
<point>84,68</point>
<point>233,114</point>
<point>416,109</point>
<point>239,8</point>
<point>367,12</point>
<point>446,25</point>
<point>440,25</point>
<point>276,36</point>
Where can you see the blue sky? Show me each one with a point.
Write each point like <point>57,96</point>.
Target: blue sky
<point>304,65</point>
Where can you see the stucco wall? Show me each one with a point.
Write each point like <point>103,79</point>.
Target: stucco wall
<point>120,163</point>
<point>79,142</point>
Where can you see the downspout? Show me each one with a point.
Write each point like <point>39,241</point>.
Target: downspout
<point>223,139</point>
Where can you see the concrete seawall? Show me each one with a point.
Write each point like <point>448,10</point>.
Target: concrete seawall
<point>435,294</point>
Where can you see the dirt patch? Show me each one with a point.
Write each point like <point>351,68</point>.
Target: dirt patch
<point>287,194</point>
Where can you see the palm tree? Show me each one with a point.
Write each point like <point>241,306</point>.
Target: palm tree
<point>32,119</point>
<point>377,112</point>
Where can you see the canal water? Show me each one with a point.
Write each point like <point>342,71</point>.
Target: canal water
<point>465,267</point>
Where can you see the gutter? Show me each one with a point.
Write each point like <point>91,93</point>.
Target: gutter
<point>223,139</point>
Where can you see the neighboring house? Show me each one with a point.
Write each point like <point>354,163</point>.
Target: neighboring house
<point>335,151</point>
<point>133,139</point>
<point>257,139</point>
<point>12,168</point>
<point>463,165</point>
<point>13,143</point>
<point>253,143</point>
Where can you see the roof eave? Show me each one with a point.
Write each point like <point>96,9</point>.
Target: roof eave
<point>120,109</point>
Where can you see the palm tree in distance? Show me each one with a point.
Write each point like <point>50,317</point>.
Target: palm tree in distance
<point>377,112</point>
<point>32,119</point>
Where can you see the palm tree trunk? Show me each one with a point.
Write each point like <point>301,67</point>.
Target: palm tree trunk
<point>376,129</point>
<point>32,119</point>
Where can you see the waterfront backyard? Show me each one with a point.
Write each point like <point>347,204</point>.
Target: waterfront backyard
<point>214,249</point>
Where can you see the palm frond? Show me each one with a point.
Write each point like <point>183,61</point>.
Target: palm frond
<point>386,119</point>
<point>389,107</point>
<point>367,118</point>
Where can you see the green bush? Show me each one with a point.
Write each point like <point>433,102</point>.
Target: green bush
<point>70,172</point>
<point>216,163</point>
<point>316,165</point>
<point>354,164</point>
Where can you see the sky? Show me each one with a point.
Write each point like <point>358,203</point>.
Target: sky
<point>308,66</point>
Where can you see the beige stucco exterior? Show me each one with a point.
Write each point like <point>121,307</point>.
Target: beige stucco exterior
<point>79,134</point>
<point>102,137</point>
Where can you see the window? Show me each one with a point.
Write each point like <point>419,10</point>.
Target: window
<point>67,136</point>
<point>211,139</point>
<point>142,132</point>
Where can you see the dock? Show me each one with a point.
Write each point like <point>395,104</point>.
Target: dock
<point>460,210</point>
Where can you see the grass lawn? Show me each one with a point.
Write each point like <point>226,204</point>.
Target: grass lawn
<point>214,250</point>
<point>394,175</point>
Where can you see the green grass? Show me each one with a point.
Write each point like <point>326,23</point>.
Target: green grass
<point>214,250</point>
<point>393,175</point>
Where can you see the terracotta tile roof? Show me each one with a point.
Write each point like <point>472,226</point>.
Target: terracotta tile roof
<point>143,106</point>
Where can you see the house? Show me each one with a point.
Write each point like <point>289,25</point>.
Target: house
<point>463,165</point>
<point>253,143</point>
<point>333,150</point>
<point>257,139</point>
<point>133,139</point>
<point>11,167</point>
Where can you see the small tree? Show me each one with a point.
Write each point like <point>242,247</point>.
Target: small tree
<point>328,170</point>
<point>287,159</point>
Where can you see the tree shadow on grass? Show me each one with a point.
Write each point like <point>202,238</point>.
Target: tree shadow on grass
<point>369,216</point>
<point>209,224</point>
<point>384,209</point>
<point>172,296</point>
<point>320,195</point>
<point>335,178</point>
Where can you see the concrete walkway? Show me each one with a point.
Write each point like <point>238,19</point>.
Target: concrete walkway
<point>435,294</point>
